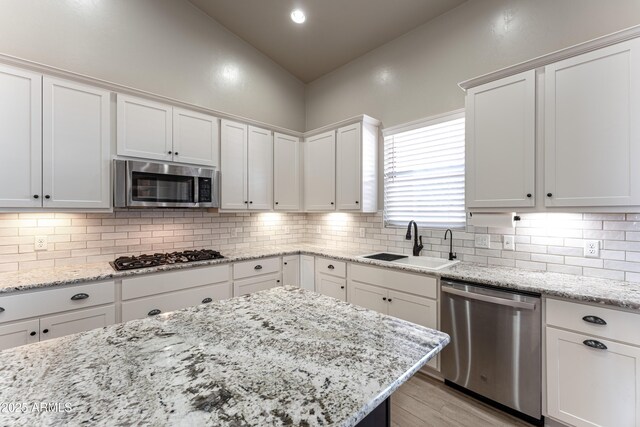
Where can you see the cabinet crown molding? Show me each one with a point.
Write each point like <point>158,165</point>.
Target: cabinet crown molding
<point>541,61</point>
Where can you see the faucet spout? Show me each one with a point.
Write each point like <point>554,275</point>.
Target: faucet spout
<point>452,255</point>
<point>417,248</point>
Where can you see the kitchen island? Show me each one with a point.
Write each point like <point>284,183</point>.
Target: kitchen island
<point>279,357</point>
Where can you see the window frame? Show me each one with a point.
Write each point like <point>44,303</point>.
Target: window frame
<point>413,125</point>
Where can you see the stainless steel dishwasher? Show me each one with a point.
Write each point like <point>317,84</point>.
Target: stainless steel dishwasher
<point>495,349</point>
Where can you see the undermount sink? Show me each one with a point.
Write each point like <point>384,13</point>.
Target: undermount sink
<point>430,263</point>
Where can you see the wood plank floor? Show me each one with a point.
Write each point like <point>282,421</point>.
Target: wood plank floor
<point>423,401</point>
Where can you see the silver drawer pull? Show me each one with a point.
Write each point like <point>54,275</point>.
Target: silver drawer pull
<point>330,267</point>
<point>594,344</point>
<point>154,312</point>
<point>206,300</point>
<point>77,297</point>
<point>594,319</point>
<point>257,267</point>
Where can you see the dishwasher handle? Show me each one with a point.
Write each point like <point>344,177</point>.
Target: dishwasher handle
<point>490,299</point>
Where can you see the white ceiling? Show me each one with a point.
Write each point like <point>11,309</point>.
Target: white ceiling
<point>336,31</point>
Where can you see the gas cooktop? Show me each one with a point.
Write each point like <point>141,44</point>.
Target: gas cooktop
<point>144,261</point>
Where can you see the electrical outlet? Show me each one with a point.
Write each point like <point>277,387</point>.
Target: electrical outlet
<point>483,241</point>
<point>362,233</point>
<point>592,248</point>
<point>509,243</point>
<point>319,229</point>
<point>41,243</point>
<point>287,229</point>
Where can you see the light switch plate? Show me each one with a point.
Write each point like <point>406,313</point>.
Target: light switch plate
<point>509,243</point>
<point>483,241</point>
<point>41,243</point>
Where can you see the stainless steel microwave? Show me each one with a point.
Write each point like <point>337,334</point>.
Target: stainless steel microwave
<point>161,185</point>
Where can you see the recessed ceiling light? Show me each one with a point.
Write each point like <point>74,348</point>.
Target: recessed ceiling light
<point>298,17</point>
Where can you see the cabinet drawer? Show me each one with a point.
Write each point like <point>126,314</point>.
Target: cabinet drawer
<point>620,325</point>
<point>38,303</point>
<point>257,284</point>
<point>256,267</point>
<point>151,306</point>
<point>169,281</point>
<point>329,266</point>
<point>417,284</point>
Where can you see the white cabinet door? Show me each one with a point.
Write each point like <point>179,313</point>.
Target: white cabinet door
<point>76,321</point>
<point>414,309</point>
<point>367,296</point>
<point>286,172</point>
<point>348,167</point>
<point>233,165</point>
<point>320,172</point>
<point>256,284</point>
<point>307,272</point>
<point>144,129</point>
<point>291,270</point>
<point>20,138</point>
<point>592,132</point>
<point>20,333</point>
<point>592,387</point>
<point>260,169</point>
<point>331,286</point>
<point>500,141</point>
<point>196,138</point>
<point>76,144</point>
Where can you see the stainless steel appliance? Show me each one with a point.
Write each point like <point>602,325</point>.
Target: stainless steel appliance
<point>144,261</point>
<point>147,184</point>
<point>495,349</point>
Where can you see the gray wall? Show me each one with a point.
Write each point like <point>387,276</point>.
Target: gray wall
<point>167,47</point>
<point>416,75</point>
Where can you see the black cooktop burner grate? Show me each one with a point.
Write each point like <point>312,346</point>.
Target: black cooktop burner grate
<point>144,261</point>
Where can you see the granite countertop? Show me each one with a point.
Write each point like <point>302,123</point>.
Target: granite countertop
<point>580,288</point>
<point>280,357</point>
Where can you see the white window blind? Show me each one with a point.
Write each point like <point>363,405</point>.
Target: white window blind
<point>424,173</point>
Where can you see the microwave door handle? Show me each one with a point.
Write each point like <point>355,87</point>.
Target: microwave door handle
<point>196,190</point>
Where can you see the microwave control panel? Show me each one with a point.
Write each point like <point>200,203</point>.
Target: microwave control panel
<point>204,190</point>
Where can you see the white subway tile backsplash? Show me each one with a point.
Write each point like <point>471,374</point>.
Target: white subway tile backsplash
<point>544,241</point>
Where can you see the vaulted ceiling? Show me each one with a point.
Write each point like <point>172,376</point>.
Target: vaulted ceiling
<point>335,31</point>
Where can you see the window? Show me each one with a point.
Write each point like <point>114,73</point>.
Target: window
<point>424,173</point>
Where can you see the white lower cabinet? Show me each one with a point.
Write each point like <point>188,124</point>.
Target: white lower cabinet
<point>307,272</point>
<point>19,333</point>
<point>409,297</point>
<point>592,387</point>
<point>154,305</point>
<point>76,321</point>
<point>593,365</point>
<point>332,286</point>
<point>291,270</point>
<point>255,284</point>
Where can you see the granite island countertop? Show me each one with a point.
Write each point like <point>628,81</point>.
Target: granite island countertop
<point>586,289</point>
<point>280,357</point>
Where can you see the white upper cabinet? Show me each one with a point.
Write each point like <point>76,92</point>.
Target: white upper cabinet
<point>233,165</point>
<point>20,138</point>
<point>260,169</point>
<point>320,172</point>
<point>156,131</point>
<point>286,172</point>
<point>144,129</point>
<point>592,131</point>
<point>195,138</point>
<point>500,142</point>
<point>76,143</point>
<point>348,167</point>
